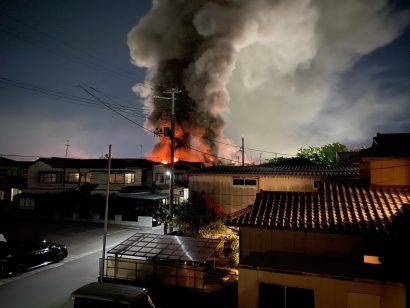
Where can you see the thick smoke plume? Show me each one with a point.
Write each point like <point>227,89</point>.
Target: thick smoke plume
<point>281,61</point>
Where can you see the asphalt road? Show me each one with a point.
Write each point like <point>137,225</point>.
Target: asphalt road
<point>51,285</point>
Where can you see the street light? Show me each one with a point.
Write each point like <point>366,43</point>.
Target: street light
<point>106,215</point>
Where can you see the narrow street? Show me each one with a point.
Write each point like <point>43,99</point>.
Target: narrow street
<point>51,285</point>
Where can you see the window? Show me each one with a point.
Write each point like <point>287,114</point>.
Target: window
<point>73,177</point>
<point>50,177</point>
<point>160,178</point>
<point>272,295</point>
<point>244,182</point>
<point>77,177</point>
<point>26,203</point>
<point>129,178</point>
<point>85,178</point>
<point>117,178</point>
<point>122,178</point>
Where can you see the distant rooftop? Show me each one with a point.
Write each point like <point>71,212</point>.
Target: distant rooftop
<point>389,145</point>
<point>59,162</point>
<point>314,170</point>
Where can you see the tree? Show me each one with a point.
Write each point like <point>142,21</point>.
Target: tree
<point>324,155</point>
<point>199,216</point>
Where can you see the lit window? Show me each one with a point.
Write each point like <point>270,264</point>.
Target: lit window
<point>129,178</point>
<point>73,177</point>
<point>50,177</point>
<point>371,259</point>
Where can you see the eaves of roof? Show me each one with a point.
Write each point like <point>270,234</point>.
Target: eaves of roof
<point>326,171</point>
<point>57,162</point>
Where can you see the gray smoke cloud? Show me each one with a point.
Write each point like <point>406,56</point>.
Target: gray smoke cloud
<point>270,69</point>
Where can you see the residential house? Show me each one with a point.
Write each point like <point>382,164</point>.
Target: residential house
<point>62,184</point>
<point>338,246</point>
<point>161,176</point>
<point>321,249</point>
<point>235,187</point>
<point>387,161</point>
<point>48,175</point>
<point>12,178</point>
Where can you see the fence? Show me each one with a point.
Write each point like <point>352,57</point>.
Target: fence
<point>191,276</point>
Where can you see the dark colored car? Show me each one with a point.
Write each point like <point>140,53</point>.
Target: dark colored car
<point>110,295</point>
<point>18,256</point>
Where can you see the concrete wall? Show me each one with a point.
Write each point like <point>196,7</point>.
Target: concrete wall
<point>329,292</point>
<point>310,243</point>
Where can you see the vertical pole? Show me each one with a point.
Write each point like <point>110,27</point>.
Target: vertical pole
<point>171,176</point>
<point>141,149</point>
<point>243,151</point>
<point>106,215</point>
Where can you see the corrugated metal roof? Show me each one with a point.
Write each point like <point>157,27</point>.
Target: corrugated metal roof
<point>327,171</point>
<point>166,247</point>
<point>335,208</point>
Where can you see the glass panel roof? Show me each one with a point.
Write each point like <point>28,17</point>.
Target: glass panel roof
<point>165,247</point>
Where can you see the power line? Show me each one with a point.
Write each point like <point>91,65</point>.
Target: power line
<point>112,109</point>
<point>64,49</point>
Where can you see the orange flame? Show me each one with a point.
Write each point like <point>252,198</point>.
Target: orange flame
<point>197,151</point>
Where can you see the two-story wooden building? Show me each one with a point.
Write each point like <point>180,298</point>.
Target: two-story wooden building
<point>235,187</point>
<point>343,245</point>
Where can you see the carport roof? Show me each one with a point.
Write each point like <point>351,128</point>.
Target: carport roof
<point>143,196</point>
<point>166,248</point>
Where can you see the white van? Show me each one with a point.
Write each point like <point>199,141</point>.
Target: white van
<point>110,295</point>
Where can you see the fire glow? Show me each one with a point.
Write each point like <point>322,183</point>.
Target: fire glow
<point>193,149</point>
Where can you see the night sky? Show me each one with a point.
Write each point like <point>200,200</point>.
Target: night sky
<point>290,88</point>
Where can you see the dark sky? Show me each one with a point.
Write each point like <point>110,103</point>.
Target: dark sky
<point>56,46</point>
<point>352,85</point>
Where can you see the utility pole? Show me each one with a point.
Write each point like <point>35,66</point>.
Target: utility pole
<point>172,91</point>
<point>172,165</point>
<point>66,147</point>
<point>141,149</point>
<point>243,150</point>
<point>106,215</point>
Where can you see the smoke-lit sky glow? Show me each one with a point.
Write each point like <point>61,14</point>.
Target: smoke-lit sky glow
<point>285,74</point>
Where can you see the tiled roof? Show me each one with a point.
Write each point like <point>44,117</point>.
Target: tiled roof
<point>58,162</point>
<point>6,162</point>
<point>326,171</point>
<point>335,208</point>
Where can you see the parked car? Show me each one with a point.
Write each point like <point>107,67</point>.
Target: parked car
<point>18,256</point>
<point>110,295</point>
